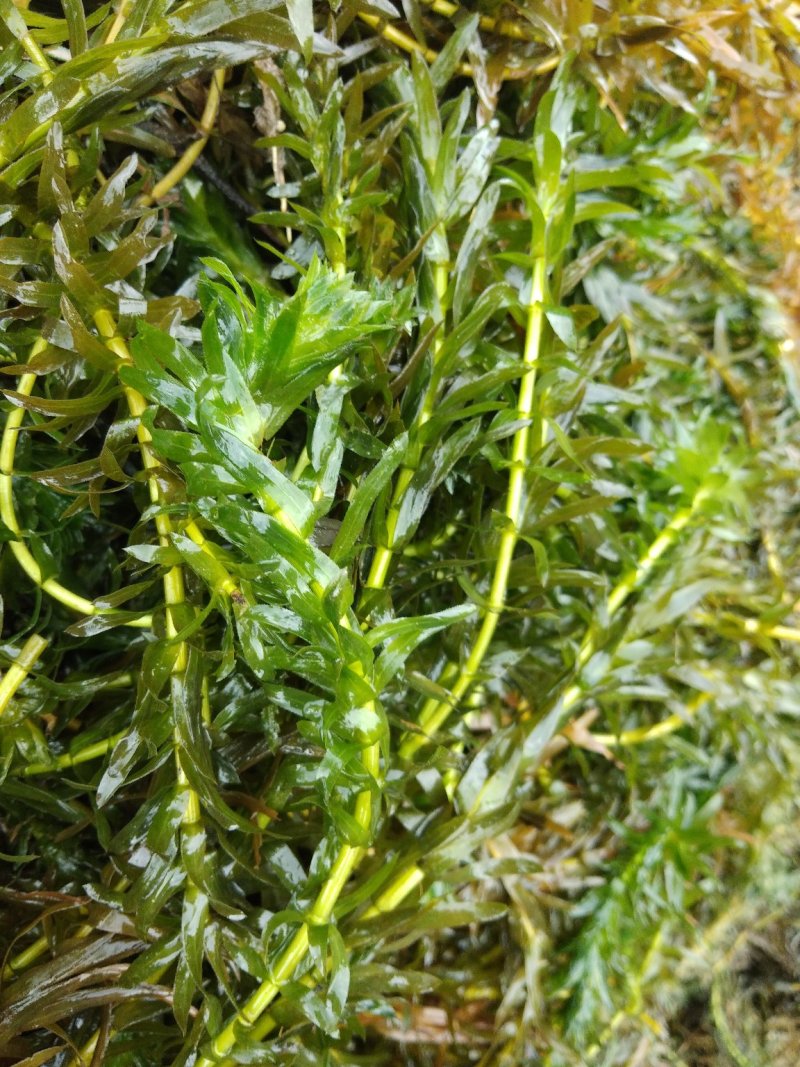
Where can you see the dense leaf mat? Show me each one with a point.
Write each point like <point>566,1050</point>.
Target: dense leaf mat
<point>398,489</point>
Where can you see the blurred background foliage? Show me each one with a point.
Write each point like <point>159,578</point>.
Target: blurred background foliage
<point>399,533</point>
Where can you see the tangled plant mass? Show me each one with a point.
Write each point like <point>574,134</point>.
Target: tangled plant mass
<point>398,492</point>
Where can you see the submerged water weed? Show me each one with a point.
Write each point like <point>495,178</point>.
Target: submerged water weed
<point>397,489</point>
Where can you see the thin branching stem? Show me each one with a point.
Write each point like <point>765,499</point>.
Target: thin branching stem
<point>382,559</point>
<point>642,735</point>
<point>178,172</point>
<point>435,712</point>
<point>505,27</point>
<point>592,641</point>
<point>8,513</point>
<point>20,669</point>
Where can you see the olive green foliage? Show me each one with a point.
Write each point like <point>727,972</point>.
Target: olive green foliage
<point>398,493</point>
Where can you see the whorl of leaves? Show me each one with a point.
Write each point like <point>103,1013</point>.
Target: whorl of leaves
<point>397,498</point>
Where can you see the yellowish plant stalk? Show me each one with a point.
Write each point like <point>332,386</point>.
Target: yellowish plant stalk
<point>408,44</point>
<point>20,669</point>
<point>411,45</point>
<point>412,875</point>
<point>642,735</point>
<point>119,21</point>
<point>503,27</point>
<point>20,551</point>
<point>174,597</point>
<point>180,169</point>
<point>69,759</point>
<point>435,712</point>
<point>382,559</point>
<point>248,1016</point>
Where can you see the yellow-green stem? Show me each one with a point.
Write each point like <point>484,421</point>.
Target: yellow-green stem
<point>628,583</point>
<point>25,958</point>
<point>20,551</point>
<point>68,759</point>
<point>618,596</point>
<point>435,712</point>
<point>295,952</point>
<point>119,21</point>
<point>20,668</point>
<point>641,735</point>
<point>137,405</point>
<point>35,54</point>
<point>382,559</point>
<point>404,41</point>
<point>174,596</point>
<point>249,1018</point>
<point>407,879</point>
<point>38,57</point>
<point>179,171</point>
<point>396,892</point>
<point>504,27</point>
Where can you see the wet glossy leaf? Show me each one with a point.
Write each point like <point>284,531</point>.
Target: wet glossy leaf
<point>397,503</point>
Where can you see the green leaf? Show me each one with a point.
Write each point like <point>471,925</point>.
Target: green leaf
<point>365,496</point>
<point>400,637</point>
<point>301,16</point>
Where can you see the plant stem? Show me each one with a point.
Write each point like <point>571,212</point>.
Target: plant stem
<point>410,44</point>
<point>627,584</point>
<point>403,40</point>
<point>119,21</point>
<point>640,735</point>
<point>174,591</point>
<point>20,668</point>
<point>38,57</point>
<point>435,712</point>
<point>21,552</point>
<point>295,952</point>
<point>174,595</point>
<point>407,879</point>
<point>68,759</point>
<point>382,559</point>
<point>8,514</point>
<point>504,27</point>
<point>25,958</point>
<point>593,637</point>
<point>396,892</point>
<point>179,171</point>
<point>137,405</point>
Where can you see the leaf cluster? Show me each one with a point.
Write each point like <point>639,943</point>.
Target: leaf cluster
<point>398,533</point>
